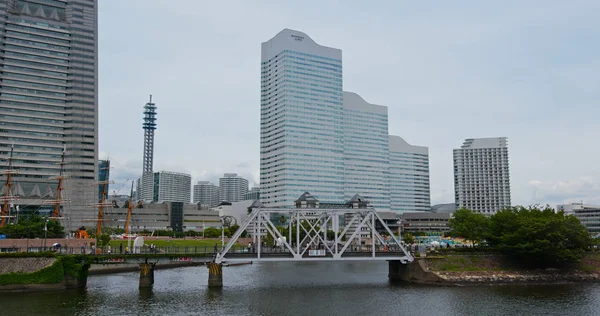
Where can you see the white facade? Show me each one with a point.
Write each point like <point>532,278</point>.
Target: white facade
<point>409,176</point>
<point>316,138</point>
<point>207,193</point>
<point>588,215</point>
<point>253,194</point>
<point>237,210</point>
<point>302,133</point>
<point>366,153</point>
<point>232,187</point>
<point>481,175</point>
<point>172,187</point>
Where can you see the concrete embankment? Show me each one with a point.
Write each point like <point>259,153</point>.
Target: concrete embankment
<point>33,274</point>
<point>469,270</point>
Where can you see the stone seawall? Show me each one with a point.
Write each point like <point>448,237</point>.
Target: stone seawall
<point>487,270</point>
<point>24,265</point>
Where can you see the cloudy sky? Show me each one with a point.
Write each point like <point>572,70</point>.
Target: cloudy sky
<point>528,70</point>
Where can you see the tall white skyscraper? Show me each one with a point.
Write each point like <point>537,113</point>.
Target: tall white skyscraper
<point>302,120</point>
<point>366,153</point>
<point>232,187</point>
<point>409,176</point>
<point>481,176</point>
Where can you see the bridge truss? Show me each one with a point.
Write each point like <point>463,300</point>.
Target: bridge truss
<point>307,238</point>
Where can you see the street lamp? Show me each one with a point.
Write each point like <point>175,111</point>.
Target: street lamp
<point>45,231</point>
<point>222,233</point>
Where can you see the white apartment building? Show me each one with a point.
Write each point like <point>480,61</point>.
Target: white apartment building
<point>302,120</point>
<point>232,187</point>
<point>172,187</point>
<point>207,193</point>
<point>408,176</point>
<point>481,175</point>
<point>366,153</point>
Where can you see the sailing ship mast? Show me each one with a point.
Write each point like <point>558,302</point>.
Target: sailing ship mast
<point>59,201</point>
<point>7,196</point>
<point>130,208</point>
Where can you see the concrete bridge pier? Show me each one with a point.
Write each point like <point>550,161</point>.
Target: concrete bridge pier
<point>215,274</point>
<point>146,274</point>
<point>397,271</point>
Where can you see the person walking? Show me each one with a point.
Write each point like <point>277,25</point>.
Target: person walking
<point>249,246</point>
<point>121,248</point>
<point>216,249</point>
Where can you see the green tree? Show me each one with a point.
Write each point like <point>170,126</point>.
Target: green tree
<point>104,240</point>
<point>469,225</point>
<point>408,238</point>
<point>212,232</point>
<point>539,236</point>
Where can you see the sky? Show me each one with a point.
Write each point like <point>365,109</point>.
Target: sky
<point>527,70</point>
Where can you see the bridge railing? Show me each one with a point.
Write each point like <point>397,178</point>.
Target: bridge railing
<point>179,250</point>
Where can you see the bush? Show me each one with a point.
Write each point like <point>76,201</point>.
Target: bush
<point>212,232</point>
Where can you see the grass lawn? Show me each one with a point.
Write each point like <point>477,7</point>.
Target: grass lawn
<point>174,243</point>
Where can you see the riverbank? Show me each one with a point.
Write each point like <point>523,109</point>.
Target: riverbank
<point>493,269</point>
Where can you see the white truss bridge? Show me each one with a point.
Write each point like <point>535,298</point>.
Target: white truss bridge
<point>350,226</point>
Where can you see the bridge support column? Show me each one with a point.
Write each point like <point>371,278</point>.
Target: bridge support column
<point>397,271</point>
<point>146,274</point>
<point>215,274</point>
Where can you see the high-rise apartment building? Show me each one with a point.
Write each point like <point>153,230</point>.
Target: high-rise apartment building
<point>207,193</point>
<point>366,153</point>
<point>409,176</point>
<point>302,120</point>
<point>49,99</point>
<point>172,187</point>
<point>253,194</point>
<point>233,188</point>
<point>481,176</point>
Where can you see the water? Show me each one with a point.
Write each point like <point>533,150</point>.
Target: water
<point>299,289</point>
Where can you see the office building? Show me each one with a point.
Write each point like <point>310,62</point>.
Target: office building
<point>207,193</point>
<point>409,176</point>
<point>176,216</point>
<point>588,215</point>
<point>481,176</point>
<point>302,120</point>
<point>172,187</point>
<point>233,187</point>
<point>103,176</point>
<point>49,100</point>
<point>366,153</point>
<point>316,137</point>
<point>253,194</point>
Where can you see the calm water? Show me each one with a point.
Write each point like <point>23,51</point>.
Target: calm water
<point>299,289</point>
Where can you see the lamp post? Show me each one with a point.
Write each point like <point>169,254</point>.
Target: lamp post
<point>45,231</point>
<point>222,233</point>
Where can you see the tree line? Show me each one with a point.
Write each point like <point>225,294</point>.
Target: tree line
<point>532,235</point>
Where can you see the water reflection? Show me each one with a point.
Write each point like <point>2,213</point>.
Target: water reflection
<point>299,289</point>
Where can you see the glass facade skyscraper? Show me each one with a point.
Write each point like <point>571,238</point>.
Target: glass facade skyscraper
<point>409,176</point>
<point>49,98</point>
<point>302,120</point>
<point>366,153</point>
<point>317,138</point>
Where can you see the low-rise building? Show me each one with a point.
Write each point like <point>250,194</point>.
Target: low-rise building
<point>588,215</point>
<point>425,222</point>
<point>176,216</point>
